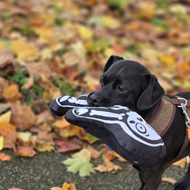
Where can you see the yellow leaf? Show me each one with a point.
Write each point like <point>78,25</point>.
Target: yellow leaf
<point>26,51</point>
<point>147,10</point>
<point>169,180</point>
<point>108,21</point>
<point>84,32</point>
<point>167,60</point>
<point>46,34</point>
<point>45,147</point>
<point>11,93</point>
<point>1,142</point>
<point>6,117</point>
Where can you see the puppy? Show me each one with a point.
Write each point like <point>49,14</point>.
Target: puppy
<point>130,84</point>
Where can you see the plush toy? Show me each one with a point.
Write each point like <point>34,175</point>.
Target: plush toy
<point>125,131</point>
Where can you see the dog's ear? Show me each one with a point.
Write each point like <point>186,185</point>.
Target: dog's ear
<point>151,95</point>
<point>111,60</point>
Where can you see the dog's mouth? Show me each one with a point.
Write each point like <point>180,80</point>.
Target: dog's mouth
<point>94,99</point>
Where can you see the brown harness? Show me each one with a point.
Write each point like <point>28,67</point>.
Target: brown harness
<point>162,119</point>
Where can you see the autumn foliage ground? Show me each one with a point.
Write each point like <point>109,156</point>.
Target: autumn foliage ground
<point>59,47</point>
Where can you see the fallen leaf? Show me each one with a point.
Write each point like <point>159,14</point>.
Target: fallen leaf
<point>107,166</point>
<point>146,10</point>
<point>62,123</point>
<point>40,70</point>
<point>183,69</point>
<point>6,58</point>
<point>94,153</point>
<point>8,131</point>
<point>22,116</point>
<point>80,163</point>
<point>85,32</point>
<point>4,107</point>
<point>169,180</point>
<point>15,189</point>
<point>55,188</point>
<point>26,51</point>
<point>6,117</point>
<point>68,186</point>
<point>11,93</point>
<point>1,142</point>
<point>181,163</point>
<point>44,146</point>
<point>4,157</point>
<point>22,148</point>
<point>69,145</point>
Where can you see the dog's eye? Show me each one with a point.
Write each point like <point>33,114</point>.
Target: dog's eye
<point>121,88</point>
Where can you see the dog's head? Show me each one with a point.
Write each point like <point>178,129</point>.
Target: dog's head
<point>127,83</point>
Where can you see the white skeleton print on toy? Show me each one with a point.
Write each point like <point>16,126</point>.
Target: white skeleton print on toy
<point>125,131</point>
<point>131,123</point>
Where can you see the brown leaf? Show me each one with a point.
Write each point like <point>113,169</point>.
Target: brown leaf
<point>22,116</point>
<point>11,93</point>
<point>107,166</point>
<point>6,58</point>
<point>24,148</point>
<point>181,163</point>
<point>94,153</point>
<point>40,70</point>
<point>169,180</point>
<point>3,84</point>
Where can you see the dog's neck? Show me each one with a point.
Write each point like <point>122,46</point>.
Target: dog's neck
<point>146,114</point>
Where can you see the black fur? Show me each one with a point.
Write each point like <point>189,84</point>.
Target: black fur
<point>130,84</point>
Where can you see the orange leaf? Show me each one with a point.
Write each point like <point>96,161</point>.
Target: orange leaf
<point>61,123</point>
<point>11,93</point>
<point>8,131</point>
<point>183,69</point>
<point>67,186</point>
<point>4,157</point>
<point>188,130</point>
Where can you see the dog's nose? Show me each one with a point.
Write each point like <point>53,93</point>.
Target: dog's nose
<point>93,100</point>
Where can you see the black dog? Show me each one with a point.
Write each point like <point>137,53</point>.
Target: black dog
<point>130,84</point>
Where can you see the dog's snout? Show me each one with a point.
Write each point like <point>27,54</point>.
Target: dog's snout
<point>93,100</point>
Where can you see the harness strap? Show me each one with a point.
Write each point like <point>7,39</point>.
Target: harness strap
<point>176,102</point>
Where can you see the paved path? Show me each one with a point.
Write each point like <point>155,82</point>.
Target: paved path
<point>45,170</point>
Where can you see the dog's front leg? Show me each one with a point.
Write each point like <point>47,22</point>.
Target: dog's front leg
<point>151,178</point>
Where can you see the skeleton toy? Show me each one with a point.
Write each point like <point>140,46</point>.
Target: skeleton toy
<point>125,131</point>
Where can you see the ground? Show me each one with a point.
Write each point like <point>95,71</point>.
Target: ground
<point>45,170</point>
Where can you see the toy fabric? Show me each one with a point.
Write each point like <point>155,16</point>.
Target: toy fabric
<point>125,131</point>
